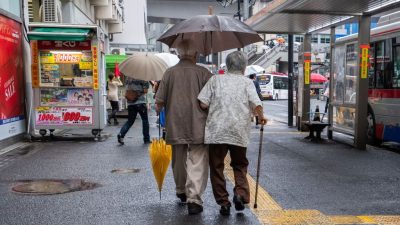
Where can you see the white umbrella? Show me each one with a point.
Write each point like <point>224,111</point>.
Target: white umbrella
<point>169,59</point>
<point>143,66</point>
<point>253,69</point>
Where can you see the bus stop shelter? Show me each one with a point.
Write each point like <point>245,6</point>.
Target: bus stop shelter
<point>309,16</point>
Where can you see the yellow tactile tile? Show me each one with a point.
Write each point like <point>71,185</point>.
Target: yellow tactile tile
<point>271,213</point>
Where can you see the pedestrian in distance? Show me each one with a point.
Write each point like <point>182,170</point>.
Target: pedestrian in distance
<point>230,99</point>
<point>112,96</point>
<point>135,96</point>
<point>326,94</point>
<point>185,122</point>
<point>258,89</point>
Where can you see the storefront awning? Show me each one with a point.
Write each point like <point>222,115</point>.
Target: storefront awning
<point>112,59</point>
<point>59,34</point>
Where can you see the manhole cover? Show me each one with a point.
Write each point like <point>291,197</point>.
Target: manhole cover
<point>51,187</point>
<point>125,171</point>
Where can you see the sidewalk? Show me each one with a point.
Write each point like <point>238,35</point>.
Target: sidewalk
<point>121,198</point>
<point>300,183</point>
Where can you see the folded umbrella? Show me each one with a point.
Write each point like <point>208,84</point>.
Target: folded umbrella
<point>211,33</point>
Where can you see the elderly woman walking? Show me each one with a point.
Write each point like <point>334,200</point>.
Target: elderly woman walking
<point>231,99</point>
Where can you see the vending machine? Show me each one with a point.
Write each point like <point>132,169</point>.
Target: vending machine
<point>67,79</point>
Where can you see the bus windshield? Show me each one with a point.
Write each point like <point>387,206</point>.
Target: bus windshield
<point>264,79</point>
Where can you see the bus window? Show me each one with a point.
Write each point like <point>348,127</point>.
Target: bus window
<point>264,79</point>
<point>371,69</point>
<point>383,65</point>
<point>396,63</point>
<point>280,82</point>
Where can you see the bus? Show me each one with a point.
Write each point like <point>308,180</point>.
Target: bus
<point>384,83</point>
<point>273,86</point>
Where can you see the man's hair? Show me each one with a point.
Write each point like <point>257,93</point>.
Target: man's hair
<point>236,62</point>
<point>186,48</point>
<point>252,76</point>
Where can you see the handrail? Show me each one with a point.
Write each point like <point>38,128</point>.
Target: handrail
<point>270,53</point>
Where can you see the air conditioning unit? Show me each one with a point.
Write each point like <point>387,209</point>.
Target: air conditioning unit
<point>118,51</point>
<point>50,11</point>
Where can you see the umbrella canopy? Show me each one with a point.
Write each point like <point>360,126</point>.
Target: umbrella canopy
<point>160,157</point>
<point>211,33</point>
<point>317,78</point>
<point>169,59</point>
<point>143,66</point>
<point>253,69</point>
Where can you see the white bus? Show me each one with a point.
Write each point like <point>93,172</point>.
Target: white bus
<point>273,86</point>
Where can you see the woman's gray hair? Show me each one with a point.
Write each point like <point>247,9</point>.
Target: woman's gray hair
<point>236,62</point>
<point>186,48</point>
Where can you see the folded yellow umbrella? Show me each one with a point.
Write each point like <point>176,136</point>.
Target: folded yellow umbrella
<point>160,157</point>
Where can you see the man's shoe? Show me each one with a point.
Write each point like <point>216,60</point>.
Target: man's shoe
<point>194,208</point>
<point>182,197</point>
<point>225,210</point>
<point>120,139</point>
<point>147,142</point>
<point>108,121</point>
<point>116,123</point>
<point>238,201</point>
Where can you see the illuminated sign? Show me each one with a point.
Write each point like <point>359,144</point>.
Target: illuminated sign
<point>364,61</point>
<point>307,66</point>
<point>95,68</point>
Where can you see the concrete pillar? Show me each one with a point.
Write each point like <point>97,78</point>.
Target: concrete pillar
<point>331,63</point>
<point>360,133</point>
<point>304,83</point>
<point>290,81</point>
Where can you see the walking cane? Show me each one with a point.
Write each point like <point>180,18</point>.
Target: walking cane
<point>258,164</point>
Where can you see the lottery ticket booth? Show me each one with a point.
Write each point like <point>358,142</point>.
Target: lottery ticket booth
<point>67,78</point>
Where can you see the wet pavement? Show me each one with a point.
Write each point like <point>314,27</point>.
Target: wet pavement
<point>301,182</point>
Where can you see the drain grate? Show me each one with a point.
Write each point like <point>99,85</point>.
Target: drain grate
<point>52,186</point>
<point>125,171</point>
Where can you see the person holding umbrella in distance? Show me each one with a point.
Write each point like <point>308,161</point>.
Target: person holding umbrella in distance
<point>230,99</point>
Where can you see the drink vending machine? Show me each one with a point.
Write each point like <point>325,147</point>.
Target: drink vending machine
<point>67,79</point>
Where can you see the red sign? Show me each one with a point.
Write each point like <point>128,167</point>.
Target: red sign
<point>64,45</point>
<point>11,73</point>
<point>64,116</point>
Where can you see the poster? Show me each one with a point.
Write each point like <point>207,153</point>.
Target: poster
<point>11,79</point>
<point>60,116</point>
<point>66,69</point>
<point>66,97</point>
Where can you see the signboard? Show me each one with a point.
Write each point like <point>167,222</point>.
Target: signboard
<point>64,45</point>
<point>364,61</point>
<point>35,64</point>
<point>95,68</point>
<point>307,68</point>
<point>11,79</point>
<point>66,97</point>
<point>60,116</point>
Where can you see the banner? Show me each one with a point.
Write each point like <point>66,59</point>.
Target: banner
<point>63,116</point>
<point>11,79</point>
<point>66,97</point>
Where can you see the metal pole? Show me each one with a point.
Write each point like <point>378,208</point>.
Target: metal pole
<point>360,134</point>
<point>290,81</point>
<point>240,18</point>
<point>331,80</point>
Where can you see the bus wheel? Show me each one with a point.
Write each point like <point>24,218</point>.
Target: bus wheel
<point>371,129</point>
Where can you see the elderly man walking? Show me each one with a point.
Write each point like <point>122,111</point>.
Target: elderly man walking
<point>185,122</point>
<point>231,99</point>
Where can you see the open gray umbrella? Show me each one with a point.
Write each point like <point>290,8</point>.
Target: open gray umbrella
<point>143,66</point>
<point>211,33</point>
